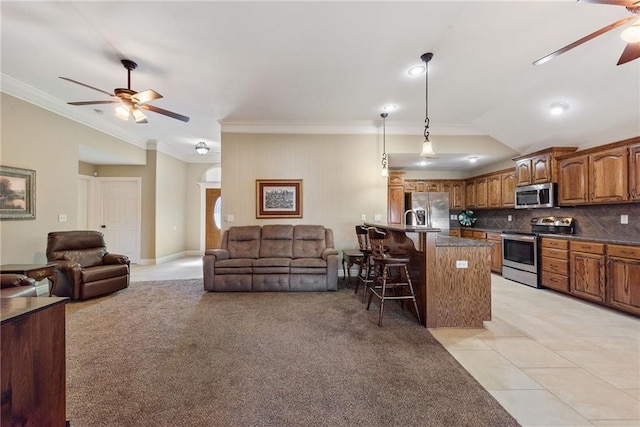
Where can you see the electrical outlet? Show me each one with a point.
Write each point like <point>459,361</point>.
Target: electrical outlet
<point>453,217</point>
<point>509,218</point>
<point>462,264</point>
<point>624,219</point>
<point>377,217</point>
<point>62,218</point>
<point>363,217</point>
<point>230,218</point>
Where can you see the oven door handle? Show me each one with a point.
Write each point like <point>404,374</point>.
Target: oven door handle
<point>519,237</point>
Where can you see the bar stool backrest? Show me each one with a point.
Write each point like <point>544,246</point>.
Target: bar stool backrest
<point>363,237</point>
<point>376,240</point>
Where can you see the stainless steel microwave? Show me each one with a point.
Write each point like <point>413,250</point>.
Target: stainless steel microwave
<point>537,196</point>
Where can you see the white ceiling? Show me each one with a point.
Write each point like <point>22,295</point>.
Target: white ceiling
<point>328,67</point>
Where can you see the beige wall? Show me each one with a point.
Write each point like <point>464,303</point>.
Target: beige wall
<point>34,138</point>
<point>171,206</point>
<point>196,191</point>
<point>340,173</point>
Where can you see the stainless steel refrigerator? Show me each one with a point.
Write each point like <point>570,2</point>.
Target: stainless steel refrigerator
<point>428,209</point>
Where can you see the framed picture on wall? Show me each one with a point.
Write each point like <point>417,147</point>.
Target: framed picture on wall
<point>17,193</point>
<point>278,198</point>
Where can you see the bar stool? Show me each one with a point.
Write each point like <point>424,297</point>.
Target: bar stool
<point>364,267</point>
<point>383,281</point>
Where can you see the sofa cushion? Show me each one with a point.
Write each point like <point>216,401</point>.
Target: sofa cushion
<point>308,262</point>
<point>308,241</point>
<point>84,257</point>
<point>103,272</point>
<point>277,241</point>
<point>244,242</point>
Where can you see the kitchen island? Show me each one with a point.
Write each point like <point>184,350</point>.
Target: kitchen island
<point>451,276</point>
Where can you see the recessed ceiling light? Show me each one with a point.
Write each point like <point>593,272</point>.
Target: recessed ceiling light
<point>416,70</point>
<point>390,107</point>
<point>558,108</point>
<point>473,159</point>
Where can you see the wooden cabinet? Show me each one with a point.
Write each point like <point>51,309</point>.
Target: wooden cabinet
<point>605,174</point>
<point>634,172</point>
<point>33,362</point>
<point>481,193</point>
<point>496,251</point>
<point>539,167</point>
<point>466,233</point>
<point>508,188</point>
<point>587,270</point>
<point>555,264</point>
<point>494,191</point>
<point>608,176</point>
<point>573,185</point>
<point>623,278</point>
<point>456,193</point>
<point>454,232</point>
<point>470,194</point>
<point>395,198</point>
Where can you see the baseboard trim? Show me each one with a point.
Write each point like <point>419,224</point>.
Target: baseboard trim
<point>162,260</point>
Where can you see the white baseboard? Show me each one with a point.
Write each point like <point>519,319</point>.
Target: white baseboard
<point>162,260</point>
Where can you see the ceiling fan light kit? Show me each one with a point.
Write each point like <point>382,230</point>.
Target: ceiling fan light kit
<point>427,147</point>
<point>631,35</point>
<point>129,102</point>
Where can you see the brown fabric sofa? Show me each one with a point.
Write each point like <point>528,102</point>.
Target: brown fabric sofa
<point>273,258</point>
<point>85,268</point>
<point>17,285</point>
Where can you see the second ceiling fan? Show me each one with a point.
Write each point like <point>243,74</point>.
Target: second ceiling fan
<point>131,102</point>
<point>631,35</point>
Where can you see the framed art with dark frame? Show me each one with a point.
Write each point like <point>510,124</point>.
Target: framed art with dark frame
<point>17,193</point>
<point>278,198</point>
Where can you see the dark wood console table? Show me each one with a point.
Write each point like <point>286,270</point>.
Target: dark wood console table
<point>33,362</point>
<point>35,271</point>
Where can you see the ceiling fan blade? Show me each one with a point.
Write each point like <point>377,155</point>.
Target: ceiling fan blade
<point>165,112</point>
<point>583,40</point>
<point>138,116</point>
<point>146,96</point>
<point>625,3</point>
<point>90,87</point>
<point>630,52</point>
<point>93,102</point>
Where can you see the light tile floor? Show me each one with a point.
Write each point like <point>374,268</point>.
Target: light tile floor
<point>549,359</point>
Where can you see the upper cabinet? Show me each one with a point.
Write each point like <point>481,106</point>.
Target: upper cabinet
<point>604,174</point>
<point>491,191</point>
<point>395,197</point>
<point>539,167</point>
<point>508,179</point>
<point>456,193</point>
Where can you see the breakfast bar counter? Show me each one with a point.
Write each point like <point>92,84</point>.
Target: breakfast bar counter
<point>451,276</point>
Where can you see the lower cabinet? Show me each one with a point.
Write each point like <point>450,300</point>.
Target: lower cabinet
<point>555,264</point>
<point>587,266</point>
<point>496,251</point>
<point>623,278</point>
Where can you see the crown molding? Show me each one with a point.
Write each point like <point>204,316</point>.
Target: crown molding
<point>341,128</point>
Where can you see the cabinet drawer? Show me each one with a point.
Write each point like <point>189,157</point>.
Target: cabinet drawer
<point>466,234</point>
<point>588,247</point>
<point>555,243</point>
<point>481,235</point>
<point>555,253</point>
<point>555,281</point>
<point>558,266</point>
<point>632,252</point>
<point>494,236</point>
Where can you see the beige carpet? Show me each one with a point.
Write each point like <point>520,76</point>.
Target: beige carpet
<point>169,354</point>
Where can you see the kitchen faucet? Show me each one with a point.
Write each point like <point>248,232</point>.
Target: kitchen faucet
<point>415,216</point>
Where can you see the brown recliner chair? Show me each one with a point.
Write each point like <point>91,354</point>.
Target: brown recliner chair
<point>85,268</point>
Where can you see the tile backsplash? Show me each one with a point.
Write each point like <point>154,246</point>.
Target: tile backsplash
<point>602,221</point>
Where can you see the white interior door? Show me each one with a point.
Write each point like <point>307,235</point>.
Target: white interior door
<point>120,215</point>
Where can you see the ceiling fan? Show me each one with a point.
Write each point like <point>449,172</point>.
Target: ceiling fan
<point>631,35</point>
<point>131,102</point>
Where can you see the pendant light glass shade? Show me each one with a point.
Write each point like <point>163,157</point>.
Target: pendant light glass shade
<point>427,149</point>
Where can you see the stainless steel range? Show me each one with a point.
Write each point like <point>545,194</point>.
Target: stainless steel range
<point>520,253</point>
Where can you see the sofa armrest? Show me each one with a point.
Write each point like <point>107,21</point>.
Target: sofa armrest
<point>327,252</point>
<point>110,258</point>
<point>11,280</point>
<point>68,278</point>
<point>218,253</point>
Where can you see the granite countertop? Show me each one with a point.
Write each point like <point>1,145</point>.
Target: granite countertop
<point>443,241</point>
<point>630,240</point>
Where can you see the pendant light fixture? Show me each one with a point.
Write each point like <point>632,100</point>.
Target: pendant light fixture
<point>385,169</point>
<point>427,147</point>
